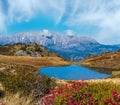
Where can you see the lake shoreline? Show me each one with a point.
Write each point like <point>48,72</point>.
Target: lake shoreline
<point>111,80</point>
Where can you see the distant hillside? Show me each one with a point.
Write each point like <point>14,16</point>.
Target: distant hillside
<point>106,62</point>
<point>22,49</point>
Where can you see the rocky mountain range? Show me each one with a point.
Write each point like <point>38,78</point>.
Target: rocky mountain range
<point>68,46</point>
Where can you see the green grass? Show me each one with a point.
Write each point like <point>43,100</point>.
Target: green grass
<point>26,82</point>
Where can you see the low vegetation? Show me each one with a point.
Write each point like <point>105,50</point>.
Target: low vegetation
<point>26,82</point>
<point>83,93</point>
<point>21,84</point>
<point>20,75</point>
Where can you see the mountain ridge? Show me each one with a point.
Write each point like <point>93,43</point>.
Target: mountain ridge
<point>68,46</point>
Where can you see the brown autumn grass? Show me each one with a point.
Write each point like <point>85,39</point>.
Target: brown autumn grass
<point>16,99</point>
<point>107,60</point>
<point>13,64</point>
<point>106,63</point>
<point>33,61</point>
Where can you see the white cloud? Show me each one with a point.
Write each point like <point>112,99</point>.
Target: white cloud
<point>24,10</point>
<point>46,32</point>
<point>27,9</point>
<point>70,32</point>
<point>103,14</point>
<point>2,19</point>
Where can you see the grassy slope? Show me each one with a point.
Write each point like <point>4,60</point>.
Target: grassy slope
<point>106,62</point>
<point>32,61</point>
<point>18,67</point>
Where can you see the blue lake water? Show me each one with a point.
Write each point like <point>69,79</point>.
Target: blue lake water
<point>72,72</point>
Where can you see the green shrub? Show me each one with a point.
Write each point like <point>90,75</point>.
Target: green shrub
<point>26,82</point>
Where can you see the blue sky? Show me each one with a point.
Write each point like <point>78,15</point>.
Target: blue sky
<point>99,19</point>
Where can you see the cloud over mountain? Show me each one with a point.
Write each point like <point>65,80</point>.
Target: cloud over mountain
<point>102,15</point>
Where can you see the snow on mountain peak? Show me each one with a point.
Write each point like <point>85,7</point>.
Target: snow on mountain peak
<point>70,33</point>
<point>46,32</point>
<point>45,37</point>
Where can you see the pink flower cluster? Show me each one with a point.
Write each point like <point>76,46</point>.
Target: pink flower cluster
<point>78,93</point>
<point>71,95</point>
<point>115,100</point>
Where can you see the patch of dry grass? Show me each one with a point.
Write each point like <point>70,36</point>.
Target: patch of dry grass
<point>106,62</point>
<point>16,99</point>
<point>33,61</point>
